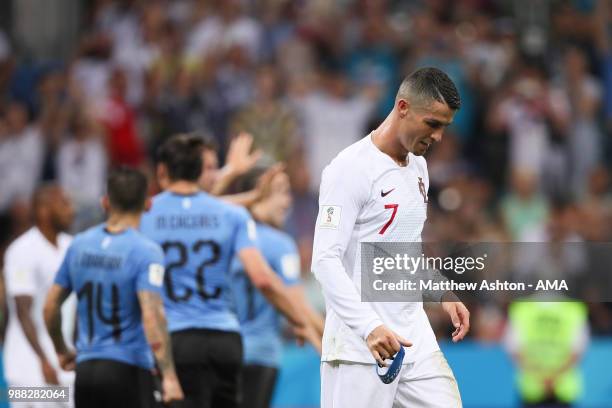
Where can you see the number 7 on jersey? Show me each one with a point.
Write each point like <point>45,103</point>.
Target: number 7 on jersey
<point>388,207</point>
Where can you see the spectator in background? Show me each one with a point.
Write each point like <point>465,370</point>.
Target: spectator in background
<point>278,27</point>
<point>584,137</point>
<point>332,118</point>
<point>92,68</point>
<point>54,106</point>
<point>524,208</point>
<point>373,59</point>
<point>603,27</point>
<point>271,123</point>
<point>21,157</point>
<point>535,118</point>
<point>596,207</point>
<point>227,86</point>
<point>177,108</point>
<point>554,250</point>
<point>6,62</point>
<point>436,44</point>
<point>490,51</point>
<point>119,120</point>
<point>137,45</point>
<point>219,31</point>
<point>81,169</point>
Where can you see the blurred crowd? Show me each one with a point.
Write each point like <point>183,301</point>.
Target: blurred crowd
<point>527,158</point>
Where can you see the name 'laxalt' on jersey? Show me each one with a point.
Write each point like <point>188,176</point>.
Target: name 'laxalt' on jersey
<point>200,235</point>
<point>107,270</point>
<point>366,197</point>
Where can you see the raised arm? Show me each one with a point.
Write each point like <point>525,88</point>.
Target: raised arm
<point>239,161</point>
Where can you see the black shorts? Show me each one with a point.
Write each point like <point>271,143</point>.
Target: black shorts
<point>208,364</point>
<point>258,385</point>
<point>108,383</point>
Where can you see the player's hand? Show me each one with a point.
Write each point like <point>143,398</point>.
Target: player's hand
<point>308,334</point>
<point>384,343</point>
<point>239,158</point>
<point>67,360</point>
<point>460,317</point>
<point>263,187</point>
<point>171,389</point>
<point>301,333</point>
<point>49,372</point>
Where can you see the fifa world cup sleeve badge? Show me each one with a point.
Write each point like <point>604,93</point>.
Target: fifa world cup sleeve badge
<point>329,216</point>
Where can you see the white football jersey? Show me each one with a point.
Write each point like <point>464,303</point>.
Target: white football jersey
<point>366,197</point>
<point>30,265</point>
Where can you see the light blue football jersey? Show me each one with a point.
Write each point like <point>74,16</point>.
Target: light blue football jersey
<point>107,270</point>
<point>260,323</point>
<point>200,235</point>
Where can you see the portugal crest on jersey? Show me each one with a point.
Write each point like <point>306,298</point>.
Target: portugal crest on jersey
<point>422,190</point>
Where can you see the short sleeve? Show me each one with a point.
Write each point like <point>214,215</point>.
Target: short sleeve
<point>62,277</point>
<point>288,265</point>
<point>246,230</point>
<point>150,269</point>
<point>20,272</point>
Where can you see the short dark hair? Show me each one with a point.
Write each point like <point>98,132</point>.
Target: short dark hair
<point>127,189</point>
<point>208,141</point>
<point>182,155</point>
<point>430,84</point>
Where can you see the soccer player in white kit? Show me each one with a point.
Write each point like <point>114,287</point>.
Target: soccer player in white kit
<point>30,264</point>
<point>376,191</point>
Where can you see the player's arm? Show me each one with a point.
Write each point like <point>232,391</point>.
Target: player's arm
<point>155,328</point>
<point>459,314</point>
<point>340,200</point>
<point>23,305</point>
<point>239,160</point>
<point>53,320</point>
<point>314,319</point>
<point>21,287</point>
<point>261,190</point>
<point>260,274</point>
<point>270,285</point>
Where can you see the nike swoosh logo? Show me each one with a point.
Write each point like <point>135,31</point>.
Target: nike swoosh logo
<point>383,194</point>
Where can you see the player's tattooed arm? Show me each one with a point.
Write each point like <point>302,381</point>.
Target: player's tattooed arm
<point>154,323</point>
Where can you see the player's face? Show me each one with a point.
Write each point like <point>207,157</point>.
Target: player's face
<point>279,201</point>
<point>210,169</point>
<point>422,126</point>
<point>61,210</point>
